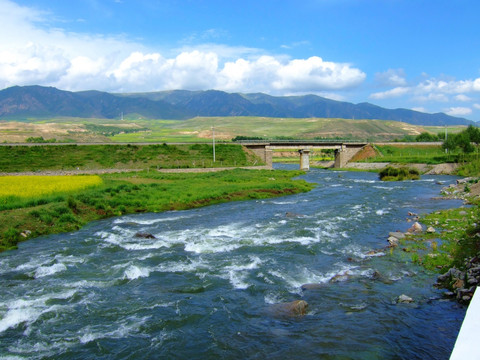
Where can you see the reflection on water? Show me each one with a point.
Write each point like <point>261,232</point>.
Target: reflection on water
<point>205,285</point>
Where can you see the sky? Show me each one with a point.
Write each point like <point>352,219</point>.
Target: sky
<point>416,54</point>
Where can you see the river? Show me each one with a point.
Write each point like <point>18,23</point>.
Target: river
<point>207,285</point>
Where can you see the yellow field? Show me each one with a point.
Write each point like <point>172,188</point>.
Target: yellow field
<point>33,186</point>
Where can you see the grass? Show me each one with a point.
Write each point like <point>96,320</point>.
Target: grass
<point>72,157</point>
<point>138,192</point>
<point>450,244</point>
<point>136,129</point>
<point>398,174</point>
<point>408,154</point>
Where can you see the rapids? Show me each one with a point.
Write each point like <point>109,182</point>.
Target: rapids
<point>205,286</point>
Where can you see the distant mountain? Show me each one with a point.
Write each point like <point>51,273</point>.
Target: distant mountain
<point>40,102</point>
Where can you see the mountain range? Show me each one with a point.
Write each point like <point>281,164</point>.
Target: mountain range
<point>25,102</point>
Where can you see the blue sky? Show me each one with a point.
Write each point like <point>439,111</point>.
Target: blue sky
<point>416,54</point>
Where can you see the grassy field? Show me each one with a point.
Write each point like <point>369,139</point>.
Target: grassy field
<point>71,157</point>
<point>134,129</point>
<point>412,153</point>
<point>126,193</point>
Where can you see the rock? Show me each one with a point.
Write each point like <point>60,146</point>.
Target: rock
<point>404,299</point>
<point>143,235</point>
<point>25,233</point>
<point>463,213</point>
<point>458,284</point>
<point>416,228</point>
<point>430,230</point>
<point>292,215</point>
<point>294,308</point>
<point>411,214</point>
<point>399,235</point>
<point>393,241</point>
<point>311,286</point>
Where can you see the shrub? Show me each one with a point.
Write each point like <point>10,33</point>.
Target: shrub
<point>391,173</point>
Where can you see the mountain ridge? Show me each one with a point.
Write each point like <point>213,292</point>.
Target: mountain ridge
<point>39,102</point>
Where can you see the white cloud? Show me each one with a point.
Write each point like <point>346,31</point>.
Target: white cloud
<point>463,97</point>
<point>420,109</point>
<point>458,111</point>
<point>476,106</point>
<point>391,77</point>
<point>395,92</point>
<point>35,53</point>
<point>433,90</point>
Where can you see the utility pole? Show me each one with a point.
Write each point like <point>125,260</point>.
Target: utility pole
<point>213,141</point>
<point>446,136</point>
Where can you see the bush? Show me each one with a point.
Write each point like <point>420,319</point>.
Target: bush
<point>391,173</point>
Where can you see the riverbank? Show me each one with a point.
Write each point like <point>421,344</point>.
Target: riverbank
<point>447,241</point>
<point>138,192</point>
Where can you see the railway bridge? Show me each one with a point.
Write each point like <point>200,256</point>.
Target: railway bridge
<point>344,150</point>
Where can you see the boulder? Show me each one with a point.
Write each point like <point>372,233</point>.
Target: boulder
<point>311,286</point>
<point>292,215</point>
<point>143,235</point>
<point>393,241</point>
<point>416,228</point>
<point>431,230</point>
<point>404,299</point>
<point>398,234</point>
<point>293,308</point>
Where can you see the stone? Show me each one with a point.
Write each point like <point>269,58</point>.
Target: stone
<point>404,299</point>
<point>416,228</point>
<point>430,230</point>
<point>411,214</point>
<point>143,235</point>
<point>293,308</point>
<point>393,241</point>
<point>292,215</point>
<point>458,284</point>
<point>311,286</point>
<point>397,234</point>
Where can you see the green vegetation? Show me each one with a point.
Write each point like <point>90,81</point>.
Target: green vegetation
<point>455,239</point>
<point>398,174</point>
<point>39,139</point>
<point>110,130</point>
<point>408,154</point>
<point>70,157</point>
<point>151,191</point>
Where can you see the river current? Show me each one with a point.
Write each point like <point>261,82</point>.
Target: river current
<point>206,286</point>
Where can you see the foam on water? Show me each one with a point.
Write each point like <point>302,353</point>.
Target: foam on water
<point>49,270</point>
<point>134,272</point>
<point>137,221</point>
<point>125,327</point>
<point>28,311</point>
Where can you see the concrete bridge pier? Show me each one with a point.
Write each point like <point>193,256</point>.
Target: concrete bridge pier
<point>304,159</point>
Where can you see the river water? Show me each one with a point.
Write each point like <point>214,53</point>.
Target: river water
<point>207,285</point>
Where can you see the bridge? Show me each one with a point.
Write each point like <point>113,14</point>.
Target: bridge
<point>344,150</point>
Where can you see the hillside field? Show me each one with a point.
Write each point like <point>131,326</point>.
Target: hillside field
<point>135,129</point>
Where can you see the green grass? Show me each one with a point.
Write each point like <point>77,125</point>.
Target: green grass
<point>408,154</point>
<point>71,157</point>
<point>450,244</point>
<point>141,192</point>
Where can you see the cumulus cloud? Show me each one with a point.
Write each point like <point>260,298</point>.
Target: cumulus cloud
<point>433,90</point>
<point>395,92</point>
<point>458,111</point>
<point>36,53</point>
<point>391,77</point>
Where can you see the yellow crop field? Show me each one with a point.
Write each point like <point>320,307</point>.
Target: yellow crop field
<point>33,186</point>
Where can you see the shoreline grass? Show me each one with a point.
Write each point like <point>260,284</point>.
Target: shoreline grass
<point>127,193</point>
